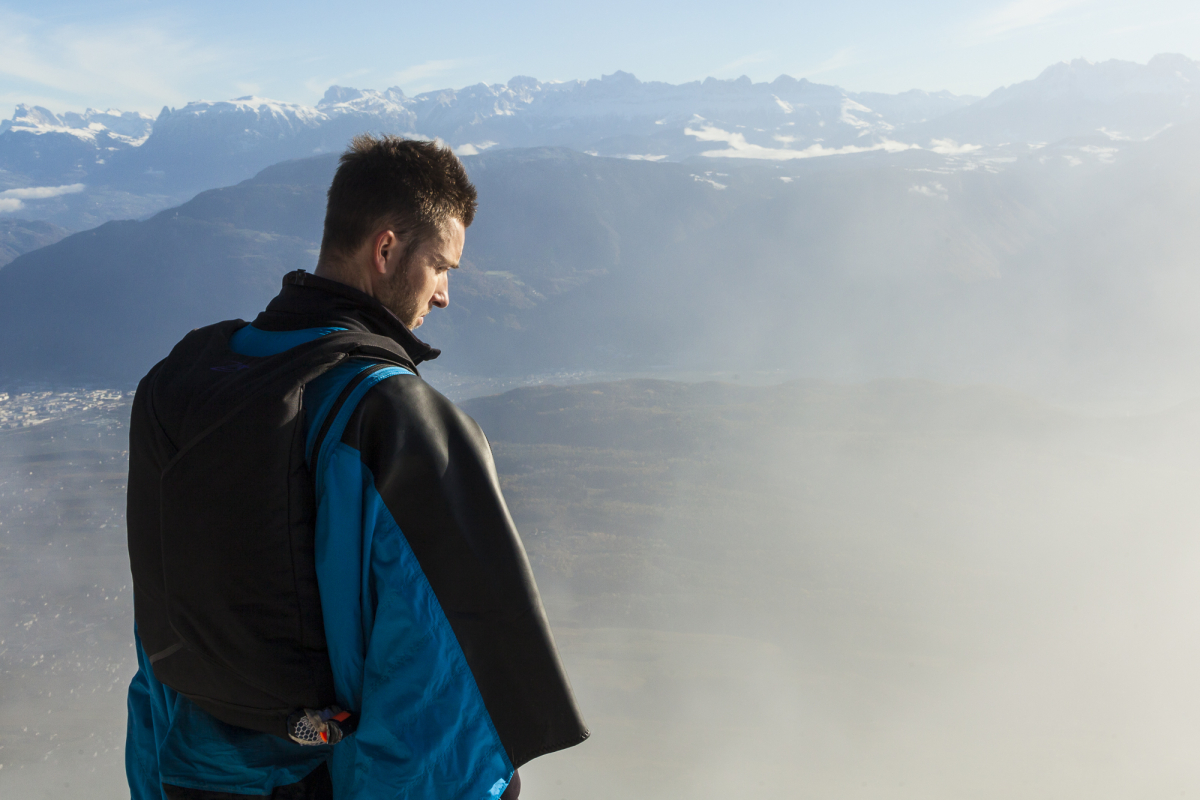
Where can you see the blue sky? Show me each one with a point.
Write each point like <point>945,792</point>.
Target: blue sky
<point>134,54</point>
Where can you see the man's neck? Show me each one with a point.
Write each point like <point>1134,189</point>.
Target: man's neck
<point>345,273</point>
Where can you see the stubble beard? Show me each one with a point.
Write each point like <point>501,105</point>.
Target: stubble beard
<point>398,296</point>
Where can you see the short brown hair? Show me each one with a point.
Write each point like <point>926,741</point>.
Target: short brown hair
<point>408,186</point>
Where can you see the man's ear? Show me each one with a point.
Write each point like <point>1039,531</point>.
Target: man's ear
<point>385,242</point>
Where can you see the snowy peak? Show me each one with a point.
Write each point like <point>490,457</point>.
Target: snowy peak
<point>616,114</point>
<point>1106,81</point>
<point>248,109</point>
<point>390,103</point>
<point>1100,107</point>
<point>1121,100</point>
<point>111,127</point>
<point>35,119</point>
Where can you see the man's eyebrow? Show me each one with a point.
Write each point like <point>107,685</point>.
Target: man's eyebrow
<point>447,262</point>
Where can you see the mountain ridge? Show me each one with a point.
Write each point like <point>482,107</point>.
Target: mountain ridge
<point>1038,276</point>
<point>131,165</point>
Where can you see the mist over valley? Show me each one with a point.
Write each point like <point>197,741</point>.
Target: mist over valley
<point>896,589</point>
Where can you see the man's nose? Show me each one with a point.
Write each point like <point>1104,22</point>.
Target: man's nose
<point>441,297</point>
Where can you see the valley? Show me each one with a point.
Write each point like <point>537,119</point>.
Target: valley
<point>893,589</point>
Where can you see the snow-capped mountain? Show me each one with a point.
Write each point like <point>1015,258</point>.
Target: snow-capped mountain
<point>206,144</point>
<point>390,106</point>
<point>209,143</point>
<point>1119,100</point>
<point>1166,75</point>
<point>246,119</point>
<point>139,164</point>
<point>39,146</point>
<point>621,116</point>
<point>616,115</point>
<point>107,129</point>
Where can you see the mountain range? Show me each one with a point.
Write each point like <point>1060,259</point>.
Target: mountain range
<point>1066,270</point>
<point>91,167</point>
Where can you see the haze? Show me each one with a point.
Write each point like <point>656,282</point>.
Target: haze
<point>853,433</point>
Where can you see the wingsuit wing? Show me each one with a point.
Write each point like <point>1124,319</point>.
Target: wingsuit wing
<point>432,467</point>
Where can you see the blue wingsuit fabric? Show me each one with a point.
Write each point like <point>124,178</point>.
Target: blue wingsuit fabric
<point>424,732</point>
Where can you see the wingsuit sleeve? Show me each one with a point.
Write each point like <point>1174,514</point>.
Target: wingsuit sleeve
<point>447,544</point>
<point>141,743</point>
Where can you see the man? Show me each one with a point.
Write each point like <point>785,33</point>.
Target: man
<point>330,597</point>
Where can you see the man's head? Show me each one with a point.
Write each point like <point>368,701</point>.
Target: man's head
<point>395,223</point>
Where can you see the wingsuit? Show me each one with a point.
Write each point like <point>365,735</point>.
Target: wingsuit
<point>317,534</point>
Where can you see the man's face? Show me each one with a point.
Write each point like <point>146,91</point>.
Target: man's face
<point>412,290</point>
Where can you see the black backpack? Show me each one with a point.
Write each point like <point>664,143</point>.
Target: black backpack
<point>221,517</point>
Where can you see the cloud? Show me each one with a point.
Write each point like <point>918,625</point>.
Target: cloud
<point>144,64</point>
<point>709,181</point>
<point>1117,136</point>
<point>1024,14</point>
<point>740,148</point>
<point>949,147</point>
<point>419,73</point>
<point>473,149</point>
<point>41,192</point>
<point>935,190</point>
<point>738,63</point>
<point>1106,155</point>
<point>10,204</point>
<point>842,58</point>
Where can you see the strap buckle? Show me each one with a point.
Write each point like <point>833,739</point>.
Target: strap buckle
<point>309,726</point>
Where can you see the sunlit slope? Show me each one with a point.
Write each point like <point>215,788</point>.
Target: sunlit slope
<point>1068,270</point>
<point>898,589</point>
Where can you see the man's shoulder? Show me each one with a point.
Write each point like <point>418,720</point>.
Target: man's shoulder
<point>408,400</point>
<point>403,411</point>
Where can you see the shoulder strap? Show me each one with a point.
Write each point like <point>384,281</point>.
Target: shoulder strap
<point>339,413</point>
<point>211,387</point>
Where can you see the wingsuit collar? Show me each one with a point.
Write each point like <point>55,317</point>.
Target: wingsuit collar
<point>310,301</point>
